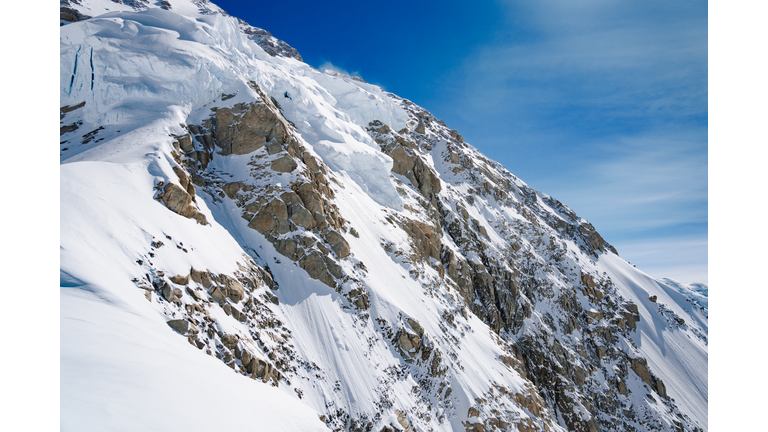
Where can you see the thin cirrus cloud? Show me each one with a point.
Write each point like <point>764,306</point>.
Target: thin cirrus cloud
<point>684,260</point>
<point>603,105</point>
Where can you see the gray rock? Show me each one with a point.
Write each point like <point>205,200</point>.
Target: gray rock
<point>180,326</point>
<point>284,164</point>
<point>274,147</point>
<point>230,341</point>
<point>338,244</point>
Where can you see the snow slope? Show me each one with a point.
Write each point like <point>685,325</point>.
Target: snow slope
<point>445,294</point>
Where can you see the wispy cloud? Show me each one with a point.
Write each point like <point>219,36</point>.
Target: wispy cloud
<point>684,260</point>
<point>591,58</point>
<point>603,105</point>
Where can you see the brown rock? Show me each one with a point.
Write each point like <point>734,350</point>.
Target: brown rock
<point>229,341</point>
<point>415,326</point>
<point>420,128</point>
<point>302,217</point>
<point>402,162</point>
<point>216,294</point>
<point>180,326</point>
<point>334,268</point>
<point>311,199</point>
<point>338,244</point>
<point>247,127</point>
<point>179,201</point>
<point>186,144</point>
<point>284,164</point>
<point>196,275</point>
<point>272,219</point>
<point>315,266</point>
<point>180,279</point>
<point>403,420</point>
<point>287,247</point>
<point>274,147</point>
<point>587,279</point>
<point>321,221</point>
<point>232,188</point>
<point>245,357</point>
<point>640,367</point>
<point>233,289</point>
<point>409,343</point>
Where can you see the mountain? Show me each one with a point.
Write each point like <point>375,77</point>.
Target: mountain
<point>248,242</point>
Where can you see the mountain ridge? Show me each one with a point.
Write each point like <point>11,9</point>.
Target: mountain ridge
<point>511,311</point>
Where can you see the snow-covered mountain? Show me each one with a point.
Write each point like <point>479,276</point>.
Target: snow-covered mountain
<point>249,242</point>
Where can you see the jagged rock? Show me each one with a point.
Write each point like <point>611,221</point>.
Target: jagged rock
<point>169,293</point>
<point>180,326</point>
<point>270,44</point>
<point>272,219</point>
<point>410,343</point>
<point>422,176</point>
<point>311,199</point>
<point>315,266</point>
<point>233,289</point>
<point>420,128</point>
<point>415,326</point>
<point>334,268</point>
<point>68,14</point>
<point>179,201</point>
<point>180,279</point>
<point>287,247</point>
<point>298,213</point>
<point>338,244</point>
<point>216,294</point>
<point>245,357</point>
<point>230,189</point>
<point>284,164</point>
<point>226,306</point>
<point>274,147</point>
<point>425,239</point>
<point>321,222</point>
<point>245,128</point>
<point>201,277</point>
<point>403,420</point>
<point>230,341</point>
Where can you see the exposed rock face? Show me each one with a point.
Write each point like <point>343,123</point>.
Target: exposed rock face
<point>272,219</point>
<point>338,244</point>
<point>284,164</point>
<point>245,128</point>
<point>421,175</point>
<point>471,238</point>
<point>270,44</point>
<point>179,201</point>
<point>67,14</point>
<point>316,267</point>
<point>502,287</point>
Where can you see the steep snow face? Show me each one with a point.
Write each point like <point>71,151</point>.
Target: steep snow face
<point>315,233</point>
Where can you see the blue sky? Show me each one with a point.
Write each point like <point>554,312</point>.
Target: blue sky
<point>601,104</point>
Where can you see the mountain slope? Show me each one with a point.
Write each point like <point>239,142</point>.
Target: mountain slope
<point>316,233</point>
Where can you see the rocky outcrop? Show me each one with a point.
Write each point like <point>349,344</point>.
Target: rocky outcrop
<point>67,14</point>
<point>178,199</point>
<point>270,44</point>
<point>245,128</point>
